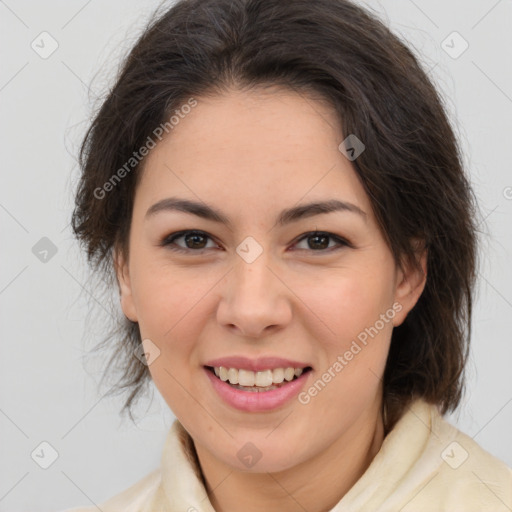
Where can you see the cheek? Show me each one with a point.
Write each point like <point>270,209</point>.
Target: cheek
<point>350,304</point>
<point>168,307</point>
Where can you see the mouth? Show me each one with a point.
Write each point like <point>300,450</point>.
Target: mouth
<point>257,381</point>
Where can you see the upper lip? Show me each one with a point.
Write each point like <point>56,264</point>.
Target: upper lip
<point>256,365</point>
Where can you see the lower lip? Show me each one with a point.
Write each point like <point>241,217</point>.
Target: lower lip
<point>255,401</point>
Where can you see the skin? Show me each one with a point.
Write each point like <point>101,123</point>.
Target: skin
<point>251,155</point>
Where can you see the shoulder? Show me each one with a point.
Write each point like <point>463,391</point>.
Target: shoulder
<point>133,499</point>
<point>426,464</point>
<point>466,472</point>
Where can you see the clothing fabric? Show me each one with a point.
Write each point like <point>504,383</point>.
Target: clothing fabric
<point>424,465</point>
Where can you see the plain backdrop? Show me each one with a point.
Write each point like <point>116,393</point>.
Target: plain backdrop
<point>46,393</point>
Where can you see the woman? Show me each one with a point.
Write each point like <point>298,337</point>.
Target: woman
<point>277,192</point>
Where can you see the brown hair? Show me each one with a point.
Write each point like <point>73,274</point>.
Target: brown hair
<point>411,169</point>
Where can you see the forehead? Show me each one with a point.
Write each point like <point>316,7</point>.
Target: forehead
<point>253,149</point>
<point>260,124</point>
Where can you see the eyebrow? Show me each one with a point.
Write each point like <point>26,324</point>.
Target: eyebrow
<point>287,216</point>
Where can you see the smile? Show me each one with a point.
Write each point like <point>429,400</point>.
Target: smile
<point>254,391</point>
<point>266,380</point>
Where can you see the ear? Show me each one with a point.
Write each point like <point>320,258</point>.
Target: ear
<point>125,289</point>
<point>410,282</point>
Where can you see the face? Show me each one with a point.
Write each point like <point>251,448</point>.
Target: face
<point>253,279</point>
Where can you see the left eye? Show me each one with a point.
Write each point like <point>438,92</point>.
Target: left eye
<point>320,240</point>
<point>196,241</point>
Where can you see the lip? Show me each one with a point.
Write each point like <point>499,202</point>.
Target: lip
<point>257,401</point>
<point>256,365</point>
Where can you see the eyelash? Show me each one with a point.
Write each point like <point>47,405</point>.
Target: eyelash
<point>169,240</point>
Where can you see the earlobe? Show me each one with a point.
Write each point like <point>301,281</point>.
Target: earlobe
<point>125,289</point>
<point>411,282</point>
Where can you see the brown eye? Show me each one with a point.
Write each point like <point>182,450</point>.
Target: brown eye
<point>195,241</point>
<point>319,241</point>
<point>192,241</point>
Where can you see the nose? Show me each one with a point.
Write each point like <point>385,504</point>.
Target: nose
<point>255,300</point>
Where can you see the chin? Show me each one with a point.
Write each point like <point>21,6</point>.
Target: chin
<point>255,455</point>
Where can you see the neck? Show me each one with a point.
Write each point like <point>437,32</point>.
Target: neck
<point>316,485</point>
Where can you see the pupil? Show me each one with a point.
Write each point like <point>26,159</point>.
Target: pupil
<point>319,241</point>
<point>195,237</point>
<point>321,245</point>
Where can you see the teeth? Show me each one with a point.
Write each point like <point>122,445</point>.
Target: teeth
<point>278,375</point>
<point>289,373</point>
<point>245,377</point>
<point>262,379</point>
<point>233,376</point>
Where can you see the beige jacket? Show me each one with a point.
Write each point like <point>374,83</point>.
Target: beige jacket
<point>424,465</point>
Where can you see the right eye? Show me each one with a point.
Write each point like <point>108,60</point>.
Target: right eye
<point>194,241</point>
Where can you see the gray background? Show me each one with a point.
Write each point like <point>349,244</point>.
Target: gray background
<point>45,392</point>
